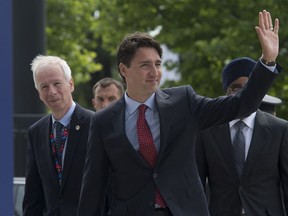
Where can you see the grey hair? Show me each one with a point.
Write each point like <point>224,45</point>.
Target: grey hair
<point>42,61</point>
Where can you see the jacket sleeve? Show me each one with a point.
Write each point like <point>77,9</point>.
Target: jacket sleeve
<point>95,175</point>
<point>223,109</point>
<point>33,202</point>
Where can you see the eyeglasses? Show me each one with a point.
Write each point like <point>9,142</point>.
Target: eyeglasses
<point>234,88</point>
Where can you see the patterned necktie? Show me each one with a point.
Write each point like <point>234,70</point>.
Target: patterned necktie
<point>239,147</point>
<point>147,147</point>
<point>59,145</point>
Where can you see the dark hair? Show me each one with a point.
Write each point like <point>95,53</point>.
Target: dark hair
<point>129,45</point>
<point>107,82</point>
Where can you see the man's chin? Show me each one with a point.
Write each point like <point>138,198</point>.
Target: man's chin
<point>55,106</point>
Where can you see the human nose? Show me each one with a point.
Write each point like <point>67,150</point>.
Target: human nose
<point>105,103</point>
<point>154,70</point>
<point>52,90</point>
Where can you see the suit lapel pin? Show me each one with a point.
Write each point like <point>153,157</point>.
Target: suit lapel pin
<point>77,127</point>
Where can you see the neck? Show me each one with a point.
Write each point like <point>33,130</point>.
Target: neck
<point>58,115</point>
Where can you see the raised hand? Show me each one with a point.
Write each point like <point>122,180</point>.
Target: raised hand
<point>268,36</point>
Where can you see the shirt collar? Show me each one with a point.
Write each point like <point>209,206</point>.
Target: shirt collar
<point>67,117</point>
<point>249,121</point>
<point>132,105</point>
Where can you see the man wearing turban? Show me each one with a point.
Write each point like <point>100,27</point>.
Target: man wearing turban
<point>245,168</point>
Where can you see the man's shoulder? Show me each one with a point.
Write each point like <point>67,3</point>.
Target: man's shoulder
<point>177,88</point>
<point>40,123</point>
<point>177,91</point>
<point>83,111</point>
<point>271,119</point>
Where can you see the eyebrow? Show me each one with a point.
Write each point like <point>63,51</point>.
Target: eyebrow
<point>150,61</point>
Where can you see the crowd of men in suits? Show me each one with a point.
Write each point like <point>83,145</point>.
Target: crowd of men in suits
<point>138,157</point>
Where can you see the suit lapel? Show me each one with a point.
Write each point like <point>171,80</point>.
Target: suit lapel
<point>119,132</point>
<point>164,109</point>
<point>73,142</point>
<point>259,140</point>
<point>222,137</point>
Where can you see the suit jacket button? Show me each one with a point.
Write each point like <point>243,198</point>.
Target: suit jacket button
<point>155,175</point>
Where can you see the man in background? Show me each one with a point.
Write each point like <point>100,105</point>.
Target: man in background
<point>269,104</point>
<point>106,91</point>
<point>245,161</point>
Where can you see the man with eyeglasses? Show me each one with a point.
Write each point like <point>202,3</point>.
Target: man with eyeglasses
<point>244,168</point>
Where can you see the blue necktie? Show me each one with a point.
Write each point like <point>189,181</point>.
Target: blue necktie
<point>59,134</point>
<point>59,145</point>
<point>239,147</point>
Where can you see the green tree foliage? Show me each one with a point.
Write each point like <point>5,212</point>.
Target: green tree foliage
<point>68,30</point>
<point>206,34</point>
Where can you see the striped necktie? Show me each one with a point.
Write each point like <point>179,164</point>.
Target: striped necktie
<point>239,147</point>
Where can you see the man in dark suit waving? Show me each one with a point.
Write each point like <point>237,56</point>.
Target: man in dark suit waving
<point>256,191</point>
<point>57,143</point>
<point>147,137</point>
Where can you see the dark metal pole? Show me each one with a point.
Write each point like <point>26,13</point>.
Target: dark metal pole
<point>28,41</point>
<point>6,109</point>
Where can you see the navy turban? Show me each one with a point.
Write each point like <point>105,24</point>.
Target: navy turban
<point>239,67</point>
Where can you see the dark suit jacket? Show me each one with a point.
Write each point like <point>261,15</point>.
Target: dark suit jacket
<point>43,195</point>
<point>182,113</point>
<point>266,166</point>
